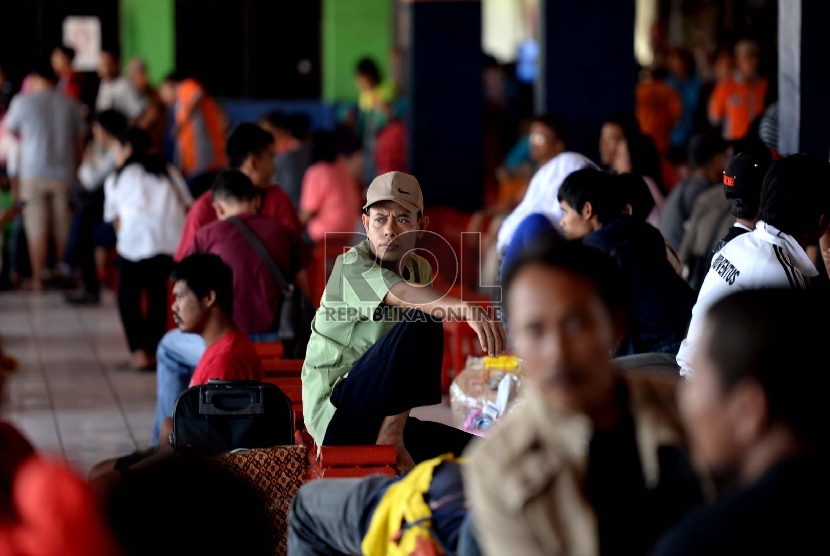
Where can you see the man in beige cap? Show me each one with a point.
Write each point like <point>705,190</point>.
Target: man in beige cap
<point>377,340</point>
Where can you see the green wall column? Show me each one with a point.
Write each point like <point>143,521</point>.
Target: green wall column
<point>148,30</point>
<point>353,29</point>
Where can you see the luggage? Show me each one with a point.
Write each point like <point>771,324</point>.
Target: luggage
<point>225,415</point>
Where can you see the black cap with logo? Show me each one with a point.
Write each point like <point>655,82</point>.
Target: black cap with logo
<point>743,179</point>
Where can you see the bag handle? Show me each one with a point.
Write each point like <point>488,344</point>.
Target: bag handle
<point>286,286</point>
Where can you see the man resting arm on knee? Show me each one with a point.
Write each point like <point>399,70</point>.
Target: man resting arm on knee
<point>376,345</point>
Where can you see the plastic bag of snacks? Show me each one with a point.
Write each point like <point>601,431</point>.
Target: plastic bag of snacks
<point>487,389</point>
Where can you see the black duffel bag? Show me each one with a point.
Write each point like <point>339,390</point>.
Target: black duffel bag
<point>225,415</point>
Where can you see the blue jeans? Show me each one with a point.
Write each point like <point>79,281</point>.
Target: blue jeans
<point>177,355</point>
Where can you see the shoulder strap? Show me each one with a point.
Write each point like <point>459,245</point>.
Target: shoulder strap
<point>286,287</point>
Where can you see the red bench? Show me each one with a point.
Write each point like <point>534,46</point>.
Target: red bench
<point>333,461</point>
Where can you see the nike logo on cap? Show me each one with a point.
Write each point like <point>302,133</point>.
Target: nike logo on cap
<point>404,192</point>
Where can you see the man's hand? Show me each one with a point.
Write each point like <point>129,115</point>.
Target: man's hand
<point>490,333</point>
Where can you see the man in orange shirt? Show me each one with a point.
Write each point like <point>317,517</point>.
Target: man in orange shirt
<point>736,102</point>
<point>199,125</point>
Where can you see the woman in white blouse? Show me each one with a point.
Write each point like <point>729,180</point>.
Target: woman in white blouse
<point>146,200</point>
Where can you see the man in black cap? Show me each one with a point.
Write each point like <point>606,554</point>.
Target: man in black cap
<point>742,181</point>
<point>716,209</point>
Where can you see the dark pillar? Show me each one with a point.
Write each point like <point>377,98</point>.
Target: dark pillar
<point>588,69</point>
<point>445,128</point>
<point>803,79</point>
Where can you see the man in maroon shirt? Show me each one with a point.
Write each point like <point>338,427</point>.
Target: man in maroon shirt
<point>249,150</point>
<point>257,295</point>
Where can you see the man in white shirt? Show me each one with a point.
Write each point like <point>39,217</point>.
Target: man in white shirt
<point>115,91</point>
<point>795,211</point>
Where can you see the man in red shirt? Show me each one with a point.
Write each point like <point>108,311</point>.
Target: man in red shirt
<point>249,150</point>
<point>203,300</point>
<point>257,296</point>
<point>203,305</point>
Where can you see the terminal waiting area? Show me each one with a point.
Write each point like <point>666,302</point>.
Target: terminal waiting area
<point>350,316</point>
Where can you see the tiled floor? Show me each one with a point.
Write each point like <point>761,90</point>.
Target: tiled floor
<point>68,398</point>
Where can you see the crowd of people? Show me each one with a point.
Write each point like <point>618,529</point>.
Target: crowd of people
<point>666,320</point>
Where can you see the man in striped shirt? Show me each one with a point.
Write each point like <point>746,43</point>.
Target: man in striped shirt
<point>795,211</point>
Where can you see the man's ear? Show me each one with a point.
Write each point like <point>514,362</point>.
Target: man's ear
<point>220,210</point>
<point>364,218</point>
<point>629,210</point>
<point>749,409</point>
<point>587,211</point>
<point>209,300</point>
<point>422,226</point>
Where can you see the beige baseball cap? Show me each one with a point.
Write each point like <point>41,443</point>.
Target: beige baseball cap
<point>396,186</point>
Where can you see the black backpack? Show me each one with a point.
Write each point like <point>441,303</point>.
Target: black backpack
<point>225,415</point>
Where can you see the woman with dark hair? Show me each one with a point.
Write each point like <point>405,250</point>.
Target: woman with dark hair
<point>624,149</point>
<point>330,200</point>
<point>146,199</point>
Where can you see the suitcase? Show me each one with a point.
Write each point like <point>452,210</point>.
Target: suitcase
<point>225,415</point>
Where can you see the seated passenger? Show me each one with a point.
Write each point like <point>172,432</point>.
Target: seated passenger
<point>794,212</point>
<point>203,305</point>
<point>708,156</point>
<point>248,148</point>
<point>257,296</point>
<point>356,516</point>
<point>756,414</point>
<point>594,461</point>
<point>376,345</point>
<point>661,302</point>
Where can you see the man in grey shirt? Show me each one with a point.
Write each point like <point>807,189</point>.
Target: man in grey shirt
<point>115,91</point>
<point>51,129</point>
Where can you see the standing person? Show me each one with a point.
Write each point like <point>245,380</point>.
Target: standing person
<point>794,213</point>
<point>682,77</point>
<point>375,97</point>
<point>146,200</point>
<point>594,461</point>
<point>115,91</point>
<point>756,414</point>
<point>736,102</point>
<point>51,129</point>
<point>707,156</point>
<point>330,200</point>
<point>154,117</point>
<point>98,164</point>
<point>70,82</point>
<point>199,125</point>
